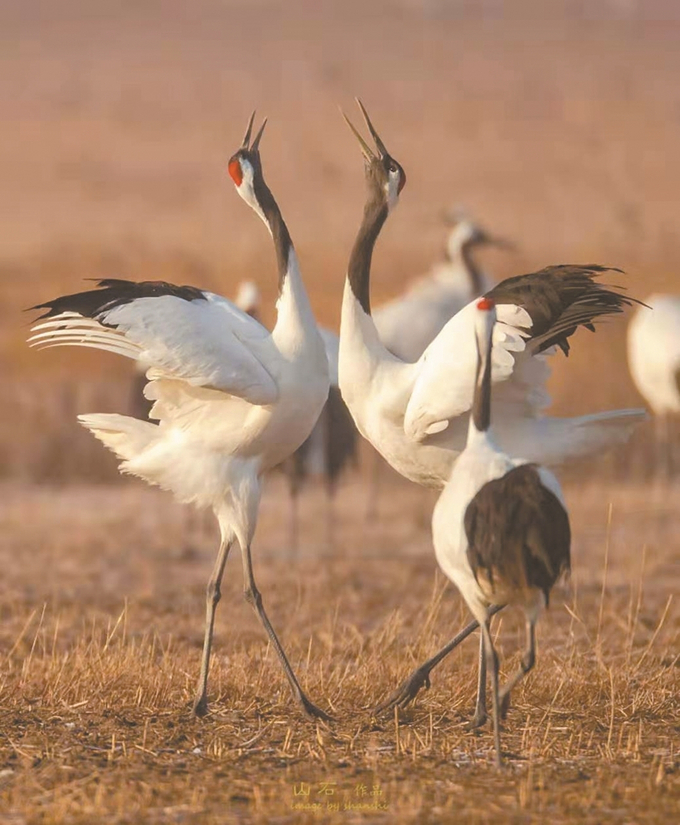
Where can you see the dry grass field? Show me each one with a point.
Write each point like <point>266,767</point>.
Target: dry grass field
<point>102,608</point>
<point>555,123</point>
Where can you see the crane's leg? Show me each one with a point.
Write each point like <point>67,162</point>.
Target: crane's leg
<point>375,483</point>
<point>480,715</point>
<point>253,597</point>
<point>330,517</point>
<point>527,663</point>
<point>664,467</point>
<point>492,666</point>
<point>294,521</point>
<point>213,595</point>
<point>420,677</point>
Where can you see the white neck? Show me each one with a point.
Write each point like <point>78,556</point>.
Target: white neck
<point>295,320</point>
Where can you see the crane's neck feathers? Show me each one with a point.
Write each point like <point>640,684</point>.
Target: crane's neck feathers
<point>359,268</point>
<point>473,271</point>
<point>480,420</point>
<point>258,196</point>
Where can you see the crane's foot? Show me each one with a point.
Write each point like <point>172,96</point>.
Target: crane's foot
<point>504,705</point>
<point>313,711</point>
<point>406,692</point>
<point>478,720</point>
<point>200,706</point>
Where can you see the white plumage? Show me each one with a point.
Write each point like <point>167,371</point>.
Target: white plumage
<point>654,352</point>
<point>409,322</point>
<point>500,529</point>
<point>231,399</point>
<point>416,414</point>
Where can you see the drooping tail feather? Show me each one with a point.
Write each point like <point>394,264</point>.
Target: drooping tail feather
<point>126,437</point>
<point>602,431</point>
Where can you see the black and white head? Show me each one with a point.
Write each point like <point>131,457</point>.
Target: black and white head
<point>245,169</point>
<point>384,175</point>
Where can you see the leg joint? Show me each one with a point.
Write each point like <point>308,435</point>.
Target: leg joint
<point>528,661</point>
<point>253,597</point>
<point>213,592</point>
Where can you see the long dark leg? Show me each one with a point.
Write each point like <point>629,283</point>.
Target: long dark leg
<point>375,486</point>
<point>253,597</point>
<point>662,471</point>
<point>330,517</point>
<point>420,678</point>
<point>294,521</point>
<point>492,666</point>
<point>213,595</point>
<point>527,663</point>
<point>480,714</point>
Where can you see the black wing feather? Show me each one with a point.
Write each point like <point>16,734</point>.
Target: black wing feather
<point>560,299</point>
<point>114,292</point>
<point>518,532</point>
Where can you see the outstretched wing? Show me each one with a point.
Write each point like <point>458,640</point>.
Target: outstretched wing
<point>178,333</point>
<point>446,371</point>
<point>536,313</point>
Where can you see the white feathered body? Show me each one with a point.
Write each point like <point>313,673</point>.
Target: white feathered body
<point>231,399</point>
<point>480,462</point>
<point>416,415</point>
<point>654,352</point>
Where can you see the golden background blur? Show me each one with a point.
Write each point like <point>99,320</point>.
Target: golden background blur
<point>556,124</point>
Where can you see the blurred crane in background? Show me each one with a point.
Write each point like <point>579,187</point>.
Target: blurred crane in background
<point>654,361</point>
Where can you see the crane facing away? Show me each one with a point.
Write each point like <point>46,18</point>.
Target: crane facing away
<point>231,400</point>
<point>500,529</point>
<point>416,415</point>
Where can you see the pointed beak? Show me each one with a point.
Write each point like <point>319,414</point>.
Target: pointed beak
<point>256,143</point>
<point>376,137</point>
<point>246,137</point>
<point>500,243</point>
<point>366,150</point>
<point>246,145</point>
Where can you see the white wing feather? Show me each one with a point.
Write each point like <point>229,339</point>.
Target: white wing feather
<point>446,371</point>
<point>206,343</point>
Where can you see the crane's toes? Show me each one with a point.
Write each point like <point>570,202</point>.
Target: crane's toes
<point>405,693</point>
<point>313,711</point>
<point>478,720</point>
<point>200,706</point>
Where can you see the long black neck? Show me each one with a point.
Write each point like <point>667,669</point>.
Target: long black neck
<point>472,269</point>
<point>359,268</point>
<point>481,405</point>
<point>280,234</point>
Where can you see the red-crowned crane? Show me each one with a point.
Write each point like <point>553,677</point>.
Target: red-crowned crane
<point>231,400</point>
<point>500,527</point>
<point>416,414</point>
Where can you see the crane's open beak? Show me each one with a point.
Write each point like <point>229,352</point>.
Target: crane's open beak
<point>254,146</point>
<point>366,150</point>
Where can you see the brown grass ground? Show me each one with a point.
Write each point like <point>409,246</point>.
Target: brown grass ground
<point>102,604</point>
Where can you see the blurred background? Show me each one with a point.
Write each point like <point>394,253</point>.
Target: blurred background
<point>554,123</point>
